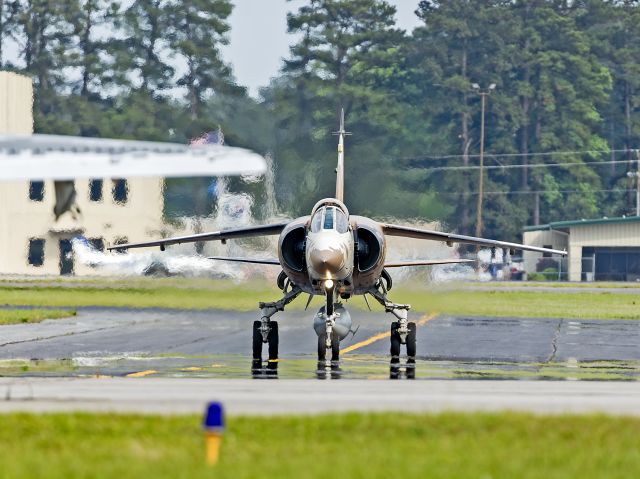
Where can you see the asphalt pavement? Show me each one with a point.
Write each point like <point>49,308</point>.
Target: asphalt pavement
<point>174,361</point>
<point>120,341</point>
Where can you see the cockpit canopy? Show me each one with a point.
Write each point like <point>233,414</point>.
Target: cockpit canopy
<point>329,218</point>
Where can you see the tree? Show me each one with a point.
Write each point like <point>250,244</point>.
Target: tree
<point>461,42</point>
<point>198,28</point>
<point>348,57</point>
<point>146,23</point>
<point>614,30</point>
<point>8,13</point>
<point>92,55</point>
<point>47,36</point>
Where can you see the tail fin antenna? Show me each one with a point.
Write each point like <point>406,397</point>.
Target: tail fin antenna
<point>340,168</point>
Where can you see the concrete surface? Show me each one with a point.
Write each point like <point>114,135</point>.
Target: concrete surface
<point>189,395</point>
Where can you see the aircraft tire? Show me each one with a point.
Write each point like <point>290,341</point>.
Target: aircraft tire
<point>257,342</point>
<point>411,340</point>
<point>395,341</point>
<point>274,339</point>
<point>322,347</point>
<point>335,346</point>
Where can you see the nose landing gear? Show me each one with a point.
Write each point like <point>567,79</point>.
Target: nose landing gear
<point>328,337</point>
<point>265,332</point>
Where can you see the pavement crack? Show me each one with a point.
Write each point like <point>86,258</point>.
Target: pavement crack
<point>554,342</point>
<point>44,338</point>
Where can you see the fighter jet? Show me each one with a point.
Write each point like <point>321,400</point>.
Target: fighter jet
<point>337,255</point>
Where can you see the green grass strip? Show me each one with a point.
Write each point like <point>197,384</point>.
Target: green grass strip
<point>17,316</point>
<point>452,445</point>
<point>245,297</point>
<point>587,305</point>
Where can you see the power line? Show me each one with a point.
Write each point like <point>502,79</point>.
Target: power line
<point>511,167</point>
<point>515,155</point>
<point>529,192</point>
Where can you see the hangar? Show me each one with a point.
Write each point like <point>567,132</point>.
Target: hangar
<point>605,249</point>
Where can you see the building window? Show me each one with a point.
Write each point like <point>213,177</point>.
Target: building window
<point>120,240</point>
<point>547,255</point>
<point>36,252</point>
<point>36,190</point>
<point>66,257</point>
<point>95,190</point>
<point>97,243</point>
<point>120,191</point>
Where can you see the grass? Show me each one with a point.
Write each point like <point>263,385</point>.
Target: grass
<point>451,445</point>
<point>218,294</point>
<point>18,316</point>
<point>553,284</point>
<point>541,304</point>
<point>204,294</point>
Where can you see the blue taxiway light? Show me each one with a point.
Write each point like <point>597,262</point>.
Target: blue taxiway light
<point>214,417</point>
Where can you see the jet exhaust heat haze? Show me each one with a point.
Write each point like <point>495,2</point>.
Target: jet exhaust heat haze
<point>337,255</point>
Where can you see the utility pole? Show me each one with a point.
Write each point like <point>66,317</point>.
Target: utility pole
<point>483,99</point>
<point>636,175</point>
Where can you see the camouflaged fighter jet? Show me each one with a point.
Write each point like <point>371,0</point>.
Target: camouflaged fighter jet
<point>336,255</point>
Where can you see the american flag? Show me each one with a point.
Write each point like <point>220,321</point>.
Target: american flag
<point>209,138</point>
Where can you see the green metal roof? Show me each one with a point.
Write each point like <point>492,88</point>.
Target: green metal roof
<point>558,225</point>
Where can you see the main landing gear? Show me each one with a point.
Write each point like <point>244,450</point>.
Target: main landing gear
<point>265,331</point>
<point>403,332</point>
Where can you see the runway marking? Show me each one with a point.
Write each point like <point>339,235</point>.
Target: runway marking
<point>141,374</point>
<point>377,337</point>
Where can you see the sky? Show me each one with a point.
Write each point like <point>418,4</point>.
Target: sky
<point>259,39</point>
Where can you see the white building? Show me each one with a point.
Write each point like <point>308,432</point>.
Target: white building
<point>606,249</point>
<point>104,210</point>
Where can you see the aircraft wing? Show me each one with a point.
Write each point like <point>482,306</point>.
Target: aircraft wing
<point>426,262</point>
<point>221,235</point>
<point>59,157</point>
<point>409,232</point>
<point>247,260</point>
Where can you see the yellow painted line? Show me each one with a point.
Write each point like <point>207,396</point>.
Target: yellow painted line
<point>141,374</point>
<point>377,337</point>
<point>191,368</point>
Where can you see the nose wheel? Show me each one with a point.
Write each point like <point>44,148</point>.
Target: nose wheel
<point>397,333</point>
<point>322,347</point>
<point>265,332</point>
<point>331,370</point>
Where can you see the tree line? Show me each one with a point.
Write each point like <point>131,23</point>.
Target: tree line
<point>561,123</point>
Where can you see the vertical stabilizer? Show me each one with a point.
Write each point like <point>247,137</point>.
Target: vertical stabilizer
<point>340,168</point>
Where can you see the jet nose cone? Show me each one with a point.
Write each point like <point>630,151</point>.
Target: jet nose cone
<point>326,261</point>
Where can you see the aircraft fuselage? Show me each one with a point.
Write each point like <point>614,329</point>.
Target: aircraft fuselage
<point>330,244</point>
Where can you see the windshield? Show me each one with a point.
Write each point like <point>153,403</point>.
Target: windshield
<point>328,218</point>
<point>342,223</point>
<point>316,221</point>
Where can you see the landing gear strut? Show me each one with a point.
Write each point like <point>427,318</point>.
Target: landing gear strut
<point>403,332</point>
<point>265,331</point>
<point>329,338</point>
